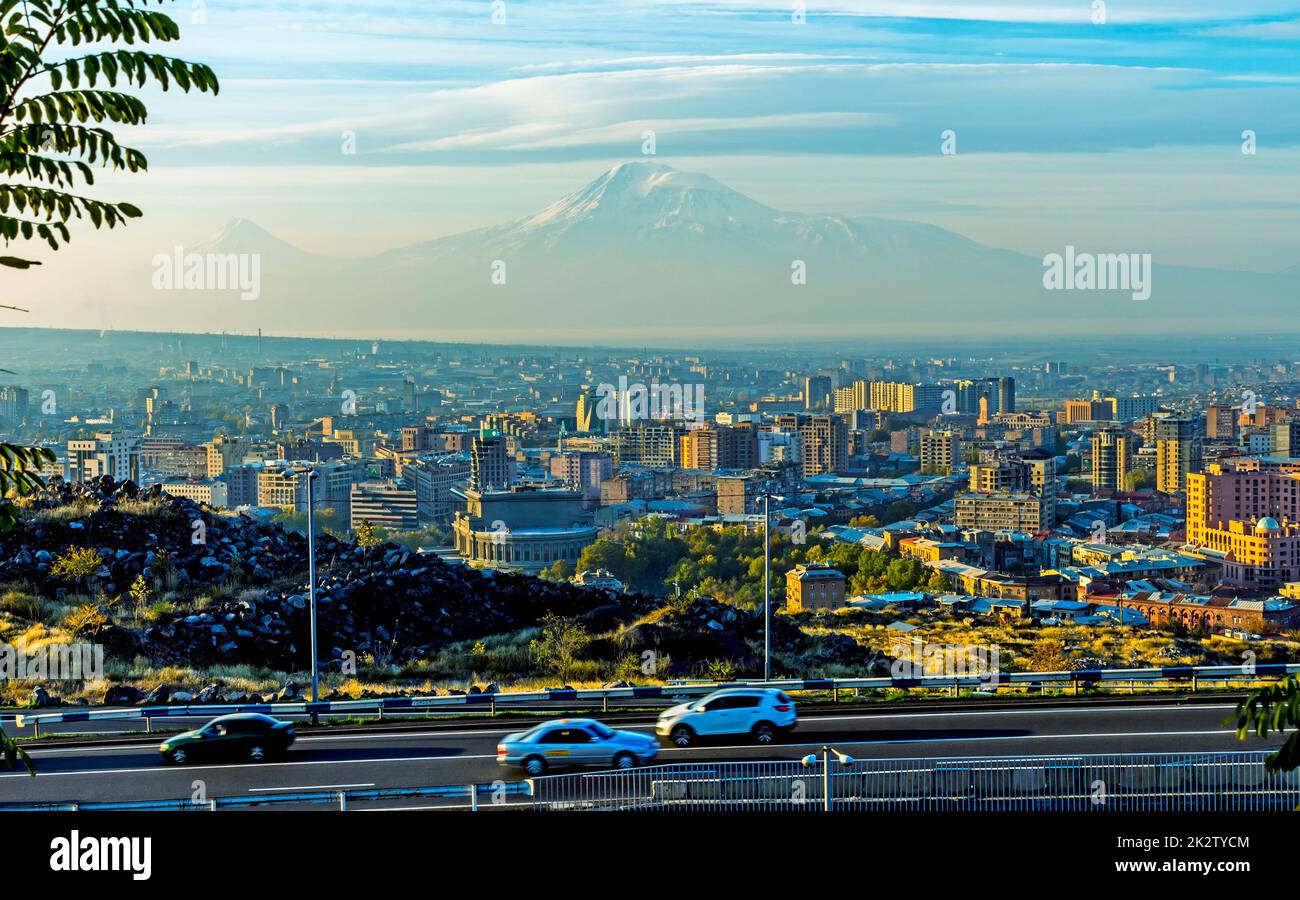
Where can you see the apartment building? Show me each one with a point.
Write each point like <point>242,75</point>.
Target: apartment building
<point>940,452</point>
<point>104,454</point>
<point>1002,512</point>
<point>384,504</point>
<point>824,441</point>
<point>1178,452</point>
<point>814,586</point>
<point>1112,459</point>
<point>433,479</point>
<point>1249,521</point>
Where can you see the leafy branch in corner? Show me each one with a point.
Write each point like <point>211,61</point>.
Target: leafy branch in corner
<point>54,111</point>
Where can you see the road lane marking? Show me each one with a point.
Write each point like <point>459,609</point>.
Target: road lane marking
<point>312,787</point>
<point>455,758</point>
<point>640,726</point>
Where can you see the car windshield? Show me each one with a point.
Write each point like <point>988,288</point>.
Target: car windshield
<point>602,731</point>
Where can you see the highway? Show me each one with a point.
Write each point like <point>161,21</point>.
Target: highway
<point>465,752</point>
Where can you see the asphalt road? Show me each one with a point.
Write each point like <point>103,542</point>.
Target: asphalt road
<point>445,753</point>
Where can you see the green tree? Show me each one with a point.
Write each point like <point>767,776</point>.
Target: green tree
<point>56,100</point>
<point>608,555</point>
<point>560,570</point>
<point>53,114</point>
<point>1140,479</point>
<point>1050,656</point>
<point>561,641</point>
<point>1274,708</point>
<point>367,535</point>
<point>19,472</point>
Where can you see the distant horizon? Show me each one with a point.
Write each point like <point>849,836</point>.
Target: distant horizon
<point>1161,127</point>
<point>1260,344</point>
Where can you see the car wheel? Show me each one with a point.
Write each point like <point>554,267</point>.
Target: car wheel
<point>682,736</point>
<point>764,733</point>
<point>178,758</point>
<point>535,765</point>
<point>625,761</point>
<point>256,753</point>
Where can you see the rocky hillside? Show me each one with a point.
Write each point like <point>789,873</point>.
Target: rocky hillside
<point>385,601</point>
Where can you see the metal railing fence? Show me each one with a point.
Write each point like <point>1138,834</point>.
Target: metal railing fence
<point>1130,782</point>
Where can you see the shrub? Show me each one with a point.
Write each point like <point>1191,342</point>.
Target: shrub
<point>87,620</point>
<point>76,565</point>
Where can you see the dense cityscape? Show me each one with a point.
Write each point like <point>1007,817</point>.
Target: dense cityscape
<point>1160,492</point>
<point>875,416</point>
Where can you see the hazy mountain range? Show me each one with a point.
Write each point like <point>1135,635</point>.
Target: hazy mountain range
<point>648,252</point>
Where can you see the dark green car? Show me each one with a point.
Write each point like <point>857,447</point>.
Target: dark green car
<point>251,737</point>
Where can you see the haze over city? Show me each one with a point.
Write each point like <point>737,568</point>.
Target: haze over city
<point>1121,136</point>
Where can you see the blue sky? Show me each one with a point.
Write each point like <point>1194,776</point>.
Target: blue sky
<point>1124,133</point>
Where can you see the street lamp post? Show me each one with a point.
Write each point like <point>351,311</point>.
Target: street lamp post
<point>310,474</point>
<point>844,760</point>
<point>767,590</point>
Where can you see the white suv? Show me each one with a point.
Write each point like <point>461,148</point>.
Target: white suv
<point>761,713</point>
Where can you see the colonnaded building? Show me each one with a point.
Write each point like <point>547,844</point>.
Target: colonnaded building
<point>524,529</point>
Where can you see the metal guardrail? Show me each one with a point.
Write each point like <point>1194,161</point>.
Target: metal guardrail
<point>493,793</point>
<point>1133,782</point>
<point>490,702</point>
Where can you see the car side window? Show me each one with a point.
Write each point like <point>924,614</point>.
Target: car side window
<point>718,704</point>
<point>744,702</point>
<point>557,736</point>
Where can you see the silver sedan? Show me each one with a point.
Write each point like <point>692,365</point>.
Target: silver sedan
<point>575,742</point>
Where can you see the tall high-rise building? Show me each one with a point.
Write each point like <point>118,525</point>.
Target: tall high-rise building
<point>1006,394</point>
<point>824,439</point>
<point>1178,452</point>
<point>13,404</point>
<point>1284,438</point>
<point>586,418</point>
<point>1112,457</point>
<point>409,401</point>
<point>656,445</point>
<point>818,391</point>
<point>491,467</point>
<point>1020,491</point>
<point>1221,422</point>
<point>940,452</point>
<point>720,447</point>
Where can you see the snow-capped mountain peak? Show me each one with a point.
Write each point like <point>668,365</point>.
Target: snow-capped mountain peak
<point>649,195</point>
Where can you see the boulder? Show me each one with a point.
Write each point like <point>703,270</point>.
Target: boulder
<point>122,695</point>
